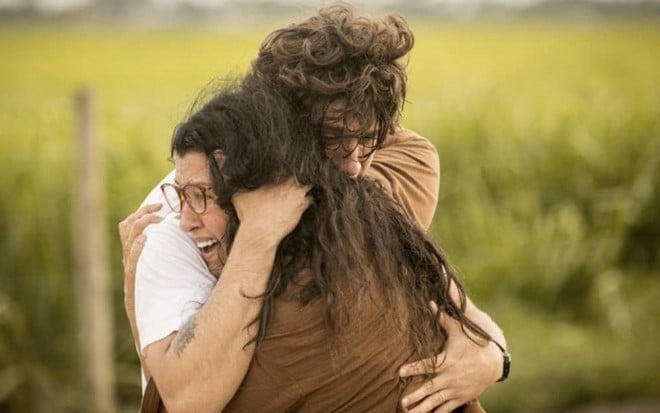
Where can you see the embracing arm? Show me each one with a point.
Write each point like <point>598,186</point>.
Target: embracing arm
<point>467,366</point>
<point>408,168</point>
<point>464,370</point>
<point>199,366</point>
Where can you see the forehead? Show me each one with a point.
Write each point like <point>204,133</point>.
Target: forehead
<point>337,120</point>
<point>192,168</point>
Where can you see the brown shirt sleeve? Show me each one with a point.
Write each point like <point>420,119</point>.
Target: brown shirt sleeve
<point>408,168</point>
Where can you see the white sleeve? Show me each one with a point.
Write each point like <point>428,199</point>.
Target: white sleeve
<point>172,281</point>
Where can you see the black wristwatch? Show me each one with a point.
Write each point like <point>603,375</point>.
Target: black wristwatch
<point>506,364</point>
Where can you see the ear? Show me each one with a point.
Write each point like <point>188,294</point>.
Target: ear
<point>219,157</point>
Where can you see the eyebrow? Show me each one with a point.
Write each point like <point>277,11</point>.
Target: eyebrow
<point>198,183</point>
<point>333,128</point>
<point>338,131</point>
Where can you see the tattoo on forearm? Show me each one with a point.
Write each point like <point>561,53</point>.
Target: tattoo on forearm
<point>185,336</point>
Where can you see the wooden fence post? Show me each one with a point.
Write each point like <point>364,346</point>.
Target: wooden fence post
<point>96,330</point>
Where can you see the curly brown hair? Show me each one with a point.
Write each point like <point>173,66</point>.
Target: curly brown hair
<point>337,55</point>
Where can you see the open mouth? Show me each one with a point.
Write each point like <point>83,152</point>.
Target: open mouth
<point>213,255</point>
<point>207,246</point>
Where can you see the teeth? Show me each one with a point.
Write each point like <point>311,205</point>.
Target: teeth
<point>204,244</point>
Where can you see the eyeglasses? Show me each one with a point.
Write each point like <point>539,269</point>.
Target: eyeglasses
<point>195,196</point>
<point>350,144</point>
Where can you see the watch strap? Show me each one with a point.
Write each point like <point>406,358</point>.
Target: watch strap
<point>506,363</point>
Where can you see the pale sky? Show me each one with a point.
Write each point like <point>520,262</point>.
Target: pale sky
<point>63,5</point>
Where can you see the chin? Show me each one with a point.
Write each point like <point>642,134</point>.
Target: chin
<point>215,269</point>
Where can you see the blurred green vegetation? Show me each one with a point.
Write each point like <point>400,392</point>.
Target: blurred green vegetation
<point>549,136</point>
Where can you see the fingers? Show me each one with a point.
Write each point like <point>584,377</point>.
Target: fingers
<point>273,207</point>
<point>134,252</point>
<point>138,227</point>
<point>458,375</point>
<point>431,390</point>
<point>433,398</point>
<point>293,183</point>
<point>130,262</point>
<point>300,189</point>
<point>145,209</point>
<point>426,366</point>
<point>434,307</point>
<point>133,241</point>
<point>126,225</point>
<point>129,280</point>
<point>135,224</point>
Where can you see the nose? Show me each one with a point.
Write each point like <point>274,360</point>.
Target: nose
<point>346,159</point>
<point>189,219</point>
<point>350,160</point>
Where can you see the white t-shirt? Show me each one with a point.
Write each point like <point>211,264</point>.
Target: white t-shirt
<point>172,280</point>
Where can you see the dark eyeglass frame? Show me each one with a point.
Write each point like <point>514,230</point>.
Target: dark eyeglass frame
<point>183,198</point>
<point>367,142</point>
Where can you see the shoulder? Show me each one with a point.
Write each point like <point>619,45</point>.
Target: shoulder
<point>171,281</point>
<point>408,143</point>
<point>408,168</point>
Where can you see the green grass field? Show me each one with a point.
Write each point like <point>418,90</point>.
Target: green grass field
<point>549,136</point>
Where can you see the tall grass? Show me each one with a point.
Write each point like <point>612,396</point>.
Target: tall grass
<point>549,136</point>
<point>550,144</point>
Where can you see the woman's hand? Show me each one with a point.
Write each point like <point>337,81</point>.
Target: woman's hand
<point>271,212</point>
<point>461,373</point>
<point>132,243</point>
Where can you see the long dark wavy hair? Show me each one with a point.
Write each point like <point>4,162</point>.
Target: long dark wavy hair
<point>339,55</point>
<point>354,240</point>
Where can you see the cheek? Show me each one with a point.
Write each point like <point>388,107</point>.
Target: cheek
<point>216,222</point>
<point>337,156</point>
<point>340,155</point>
<point>334,153</point>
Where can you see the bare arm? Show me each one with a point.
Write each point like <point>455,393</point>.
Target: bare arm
<point>467,367</point>
<point>199,367</point>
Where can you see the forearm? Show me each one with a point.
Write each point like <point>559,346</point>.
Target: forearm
<point>200,367</point>
<point>484,321</point>
<point>492,355</point>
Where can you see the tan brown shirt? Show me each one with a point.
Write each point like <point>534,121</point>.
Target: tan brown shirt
<point>408,167</point>
<point>296,368</point>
